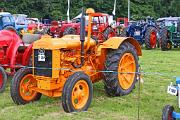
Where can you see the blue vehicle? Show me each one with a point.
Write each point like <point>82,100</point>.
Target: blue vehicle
<point>9,22</point>
<point>21,22</point>
<point>168,112</point>
<point>6,21</point>
<point>143,32</point>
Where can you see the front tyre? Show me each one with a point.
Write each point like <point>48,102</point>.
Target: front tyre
<point>77,93</point>
<point>3,79</point>
<point>167,113</point>
<point>124,61</point>
<point>22,82</point>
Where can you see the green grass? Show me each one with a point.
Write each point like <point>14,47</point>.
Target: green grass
<point>153,96</point>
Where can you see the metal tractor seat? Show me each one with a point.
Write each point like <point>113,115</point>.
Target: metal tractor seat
<point>30,38</point>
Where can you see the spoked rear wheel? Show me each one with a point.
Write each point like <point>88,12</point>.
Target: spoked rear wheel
<point>77,93</point>
<point>3,79</point>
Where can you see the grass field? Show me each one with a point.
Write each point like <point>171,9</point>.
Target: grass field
<point>153,96</point>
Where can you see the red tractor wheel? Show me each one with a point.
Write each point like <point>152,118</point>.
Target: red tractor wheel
<point>3,79</point>
<point>21,84</point>
<point>77,93</point>
<point>151,38</point>
<point>167,113</point>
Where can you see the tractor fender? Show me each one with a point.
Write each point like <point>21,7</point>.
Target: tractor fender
<point>27,55</point>
<point>115,42</point>
<point>8,25</point>
<point>12,49</point>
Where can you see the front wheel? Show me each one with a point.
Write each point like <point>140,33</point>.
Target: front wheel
<point>124,61</point>
<point>77,93</point>
<point>3,79</point>
<point>167,113</point>
<point>22,82</point>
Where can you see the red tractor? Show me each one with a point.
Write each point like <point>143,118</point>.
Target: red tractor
<point>101,29</point>
<point>14,53</point>
<point>122,22</point>
<point>58,29</point>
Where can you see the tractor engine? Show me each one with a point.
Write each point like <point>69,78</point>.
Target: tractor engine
<point>54,59</point>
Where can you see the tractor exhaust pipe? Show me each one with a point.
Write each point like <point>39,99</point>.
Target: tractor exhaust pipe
<point>82,39</point>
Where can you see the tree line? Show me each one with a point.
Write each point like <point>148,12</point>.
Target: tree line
<point>56,8</point>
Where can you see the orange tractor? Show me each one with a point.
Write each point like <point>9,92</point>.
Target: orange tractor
<point>66,67</point>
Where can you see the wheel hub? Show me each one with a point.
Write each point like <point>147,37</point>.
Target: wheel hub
<point>25,91</point>
<point>80,94</point>
<point>127,67</point>
<point>153,39</point>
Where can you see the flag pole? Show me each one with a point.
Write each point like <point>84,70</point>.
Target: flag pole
<point>114,10</point>
<point>68,18</point>
<point>128,10</point>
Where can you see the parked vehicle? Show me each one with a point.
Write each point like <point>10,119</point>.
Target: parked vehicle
<point>143,32</point>
<point>14,23</point>
<point>69,65</point>
<point>101,27</point>
<point>169,32</point>
<point>14,53</point>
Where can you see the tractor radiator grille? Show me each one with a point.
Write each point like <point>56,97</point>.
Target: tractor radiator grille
<point>43,68</point>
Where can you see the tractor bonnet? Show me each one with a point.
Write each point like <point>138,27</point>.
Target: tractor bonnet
<point>68,41</point>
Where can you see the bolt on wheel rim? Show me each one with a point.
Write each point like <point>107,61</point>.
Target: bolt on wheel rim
<point>80,94</point>
<point>153,39</point>
<point>26,93</point>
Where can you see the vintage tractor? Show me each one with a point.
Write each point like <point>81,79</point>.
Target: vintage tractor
<point>15,23</point>
<point>7,22</point>
<point>170,36</point>
<point>168,112</point>
<point>143,32</point>
<point>14,53</point>
<point>101,28</point>
<point>59,29</point>
<point>121,24</point>
<point>66,67</point>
